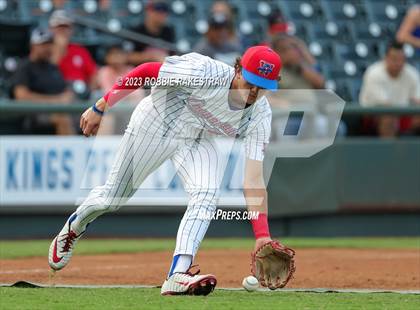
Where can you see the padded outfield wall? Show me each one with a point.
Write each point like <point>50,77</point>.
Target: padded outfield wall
<point>355,187</point>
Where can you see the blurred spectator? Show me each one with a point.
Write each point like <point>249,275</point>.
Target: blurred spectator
<point>299,67</point>
<point>277,24</point>
<point>59,4</point>
<point>116,60</point>
<point>38,80</point>
<point>154,26</point>
<point>299,71</point>
<point>104,5</point>
<point>390,82</point>
<point>409,31</point>
<point>216,44</point>
<point>74,61</point>
<point>223,8</point>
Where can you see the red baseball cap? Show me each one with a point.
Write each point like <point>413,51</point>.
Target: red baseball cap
<point>261,66</point>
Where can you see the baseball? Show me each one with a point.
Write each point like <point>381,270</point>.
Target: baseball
<point>250,283</point>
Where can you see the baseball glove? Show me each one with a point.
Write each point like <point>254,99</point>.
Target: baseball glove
<point>273,264</point>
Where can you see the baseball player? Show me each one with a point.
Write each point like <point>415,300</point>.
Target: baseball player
<point>187,108</point>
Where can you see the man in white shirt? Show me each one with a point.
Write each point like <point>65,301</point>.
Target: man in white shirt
<point>390,82</point>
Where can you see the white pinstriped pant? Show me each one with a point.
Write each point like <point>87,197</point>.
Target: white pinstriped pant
<point>140,153</point>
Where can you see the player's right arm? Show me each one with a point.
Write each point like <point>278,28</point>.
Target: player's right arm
<point>255,194</point>
<point>91,118</point>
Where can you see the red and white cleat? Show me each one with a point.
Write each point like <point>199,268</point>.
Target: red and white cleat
<point>181,283</point>
<point>62,246</point>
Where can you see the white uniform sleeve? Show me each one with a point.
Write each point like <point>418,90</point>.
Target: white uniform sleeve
<point>415,86</point>
<point>258,138</point>
<point>183,72</point>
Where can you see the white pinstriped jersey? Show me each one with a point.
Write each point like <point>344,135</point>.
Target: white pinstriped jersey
<point>167,125</point>
<point>189,110</point>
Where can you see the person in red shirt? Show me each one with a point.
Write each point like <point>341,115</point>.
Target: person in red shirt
<point>74,61</point>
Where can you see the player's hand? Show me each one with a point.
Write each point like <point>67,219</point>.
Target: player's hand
<point>90,120</point>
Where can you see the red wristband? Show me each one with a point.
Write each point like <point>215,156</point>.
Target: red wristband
<point>260,226</point>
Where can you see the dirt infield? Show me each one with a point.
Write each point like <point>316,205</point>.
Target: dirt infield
<point>327,268</point>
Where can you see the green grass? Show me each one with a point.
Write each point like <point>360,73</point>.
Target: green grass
<point>28,248</point>
<point>106,298</point>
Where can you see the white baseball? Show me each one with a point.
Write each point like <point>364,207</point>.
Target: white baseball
<point>250,283</point>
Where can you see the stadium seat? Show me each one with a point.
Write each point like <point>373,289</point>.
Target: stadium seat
<point>368,31</point>
<point>342,90</point>
<point>299,30</point>
<point>343,11</point>
<point>8,67</point>
<point>341,70</point>
<point>332,70</point>
<point>129,13</point>
<point>388,14</point>
<point>353,88</point>
<point>415,61</point>
<point>3,89</point>
<point>322,50</point>
<point>181,8</point>
<point>179,23</point>
<point>417,65</point>
<point>299,11</point>
<point>356,51</point>
<point>327,32</point>
<point>348,88</point>
<point>202,8</point>
<point>385,11</point>
<point>14,38</point>
<point>256,33</point>
<point>36,11</point>
<point>90,9</point>
<point>264,8</point>
<point>9,10</point>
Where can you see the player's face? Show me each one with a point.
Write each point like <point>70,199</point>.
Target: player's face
<point>248,92</point>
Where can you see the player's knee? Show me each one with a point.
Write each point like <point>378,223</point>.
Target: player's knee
<point>102,204</point>
<point>107,200</point>
<point>207,197</point>
<point>111,205</point>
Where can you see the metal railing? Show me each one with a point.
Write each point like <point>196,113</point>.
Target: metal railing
<point>13,107</point>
